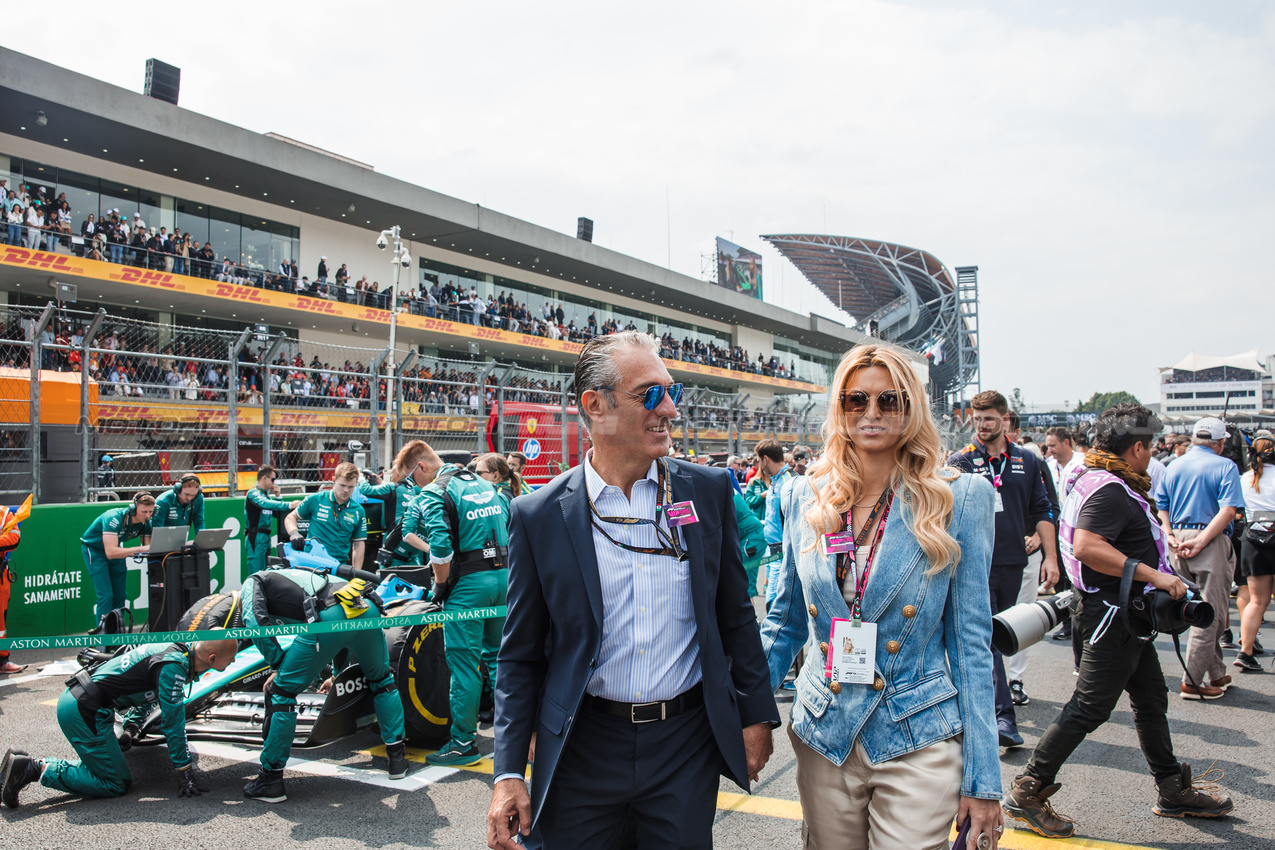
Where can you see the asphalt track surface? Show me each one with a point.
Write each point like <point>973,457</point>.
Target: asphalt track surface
<point>339,796</point>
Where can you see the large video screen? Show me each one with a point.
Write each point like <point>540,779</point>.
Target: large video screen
<point>738,268</point>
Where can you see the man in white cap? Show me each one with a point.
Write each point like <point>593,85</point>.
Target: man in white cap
<point>1197,501</point>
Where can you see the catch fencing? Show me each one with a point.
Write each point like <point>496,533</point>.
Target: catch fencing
<point>122,405</point>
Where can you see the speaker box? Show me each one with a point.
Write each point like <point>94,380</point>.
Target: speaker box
<point>162,81</point>
<point>584,229</point>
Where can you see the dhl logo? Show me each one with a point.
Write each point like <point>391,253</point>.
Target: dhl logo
<point>147,277</point>
<point>371,314</point>
<point>317,305</point>
<point>38,259</point>
<point>239,293</point>
<point>489,333</point>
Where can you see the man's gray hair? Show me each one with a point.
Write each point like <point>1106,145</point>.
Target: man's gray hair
<point>596,366</point>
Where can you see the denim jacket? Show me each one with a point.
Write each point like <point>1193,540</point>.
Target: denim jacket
<point>937,683</point>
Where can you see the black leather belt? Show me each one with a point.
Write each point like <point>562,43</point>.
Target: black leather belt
<point>647,712</point>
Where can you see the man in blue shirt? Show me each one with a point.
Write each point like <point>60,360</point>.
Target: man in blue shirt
<point>1022,507</point>
<point>770,459</point>
<point>1197,502</point>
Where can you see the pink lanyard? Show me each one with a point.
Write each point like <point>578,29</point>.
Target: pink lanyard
<point>861,582</point>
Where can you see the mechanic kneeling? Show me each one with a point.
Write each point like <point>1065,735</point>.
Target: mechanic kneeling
<point>281,596</point>
<point>145,676</point>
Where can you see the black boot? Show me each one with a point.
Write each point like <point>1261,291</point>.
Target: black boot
<point>18,771</point>
<point>397,754</point>
<point>268,787</point>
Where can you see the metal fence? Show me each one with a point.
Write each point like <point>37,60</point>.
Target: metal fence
<point>122,405</point>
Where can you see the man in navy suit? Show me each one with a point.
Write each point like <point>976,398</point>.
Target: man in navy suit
<point>631,657</point>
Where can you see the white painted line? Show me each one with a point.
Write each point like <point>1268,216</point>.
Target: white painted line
<point>412,782</point>
<point>21,679</point>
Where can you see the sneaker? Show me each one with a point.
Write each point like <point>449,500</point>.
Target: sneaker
<point>1027,801</point>
<point>267,787</point>
<point>1202,692</point>
<point>1257,646</point>
<point>397,754</point>
<point>1247,663</point>
<point>1063,632</point>
<point>455,754</point>
<point>1228,640</point>
<point>1223,683</point>
<point>17,772</point>
<point>1017,694</point>
<point>789,685</point>
<point>1180,798</point>
<point>1008,733</point>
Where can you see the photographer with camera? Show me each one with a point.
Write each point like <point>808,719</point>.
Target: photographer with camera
<point>1107,526</point>
<point>1197,501</point>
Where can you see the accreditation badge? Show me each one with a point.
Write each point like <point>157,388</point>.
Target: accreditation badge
<point>1000,502</point>
<point>681,513</point>
<point>852,652</point>
<point>839,542</point>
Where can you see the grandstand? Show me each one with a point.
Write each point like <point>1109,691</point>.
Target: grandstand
<point>900,294</point>
<point>226,306</point>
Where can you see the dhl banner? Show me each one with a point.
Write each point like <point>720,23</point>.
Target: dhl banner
<point>13,255</point>
<point>320,419</point>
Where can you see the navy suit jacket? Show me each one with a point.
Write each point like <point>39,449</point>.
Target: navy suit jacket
<point>553,631</point>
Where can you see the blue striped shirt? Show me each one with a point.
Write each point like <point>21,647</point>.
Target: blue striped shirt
<point>649,651</point>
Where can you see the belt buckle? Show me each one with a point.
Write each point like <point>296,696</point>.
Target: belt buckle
<point>633,712</point>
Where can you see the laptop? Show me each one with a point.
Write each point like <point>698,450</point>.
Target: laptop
<point>169,538</point>
<point>212,538</point>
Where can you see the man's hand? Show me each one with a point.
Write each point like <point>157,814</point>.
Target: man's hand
<point>1032,543</point>
<point>510,813</point>
<point>1049,572</point>
<point>1191,548</point>
<point>986,818</point>
<point>325,685</point>
<point>1174,585</point>
<point>758,745</point>
<point>372,477</point>
<point>297,539</point>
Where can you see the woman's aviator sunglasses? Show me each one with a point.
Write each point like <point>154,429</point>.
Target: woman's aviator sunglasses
<point>889,403</point>
<point>653,395</point>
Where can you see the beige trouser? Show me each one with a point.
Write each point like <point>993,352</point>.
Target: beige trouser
<point>1213,570</point>
<point>906,803</point>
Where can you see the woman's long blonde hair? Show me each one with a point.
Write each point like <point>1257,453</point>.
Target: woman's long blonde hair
<point>921,480</point>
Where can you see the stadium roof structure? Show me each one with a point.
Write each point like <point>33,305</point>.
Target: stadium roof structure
<point>901,294</point>
<point>1196,362</point>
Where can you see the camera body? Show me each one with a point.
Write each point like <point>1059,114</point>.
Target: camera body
<point>1163,614</point>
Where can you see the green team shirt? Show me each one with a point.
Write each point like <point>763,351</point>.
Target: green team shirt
<point>751,535</point>
<point>117,521</point>
<point>169,511</point>
<point>413,523</point>
<point>404,491</point>
<point>482,513</point>
<point>336,527</point>
<point>262,499</point>
<point>149,676</point>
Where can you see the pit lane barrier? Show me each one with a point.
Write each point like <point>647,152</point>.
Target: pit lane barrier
<point>252,632</point>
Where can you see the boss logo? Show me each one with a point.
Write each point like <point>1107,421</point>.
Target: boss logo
<point>349,688</point>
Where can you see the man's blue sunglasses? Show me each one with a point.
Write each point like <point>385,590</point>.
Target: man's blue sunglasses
<point>654,395</point>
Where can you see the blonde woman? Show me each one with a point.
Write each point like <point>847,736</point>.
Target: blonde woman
<point>885,573</point>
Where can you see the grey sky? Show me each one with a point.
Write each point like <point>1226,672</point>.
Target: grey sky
<point>1106,165</point>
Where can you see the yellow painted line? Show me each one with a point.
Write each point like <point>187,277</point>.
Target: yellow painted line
<point>51,702</point>
<point>774,807</point>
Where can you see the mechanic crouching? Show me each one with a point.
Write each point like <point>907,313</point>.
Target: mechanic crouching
<point>146,676</point>
<point>281,596</point>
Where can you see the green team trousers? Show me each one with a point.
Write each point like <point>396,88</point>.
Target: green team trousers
<point>255,556</point>
<point>109,577</point>
<point>470,641</point>
<point>301,665</point>
<point>101,770</point>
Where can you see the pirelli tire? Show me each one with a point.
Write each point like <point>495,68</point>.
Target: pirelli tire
<point>218,611</point>
<point>420,670</point>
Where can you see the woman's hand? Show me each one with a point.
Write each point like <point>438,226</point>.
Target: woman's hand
<point>986,818</point>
